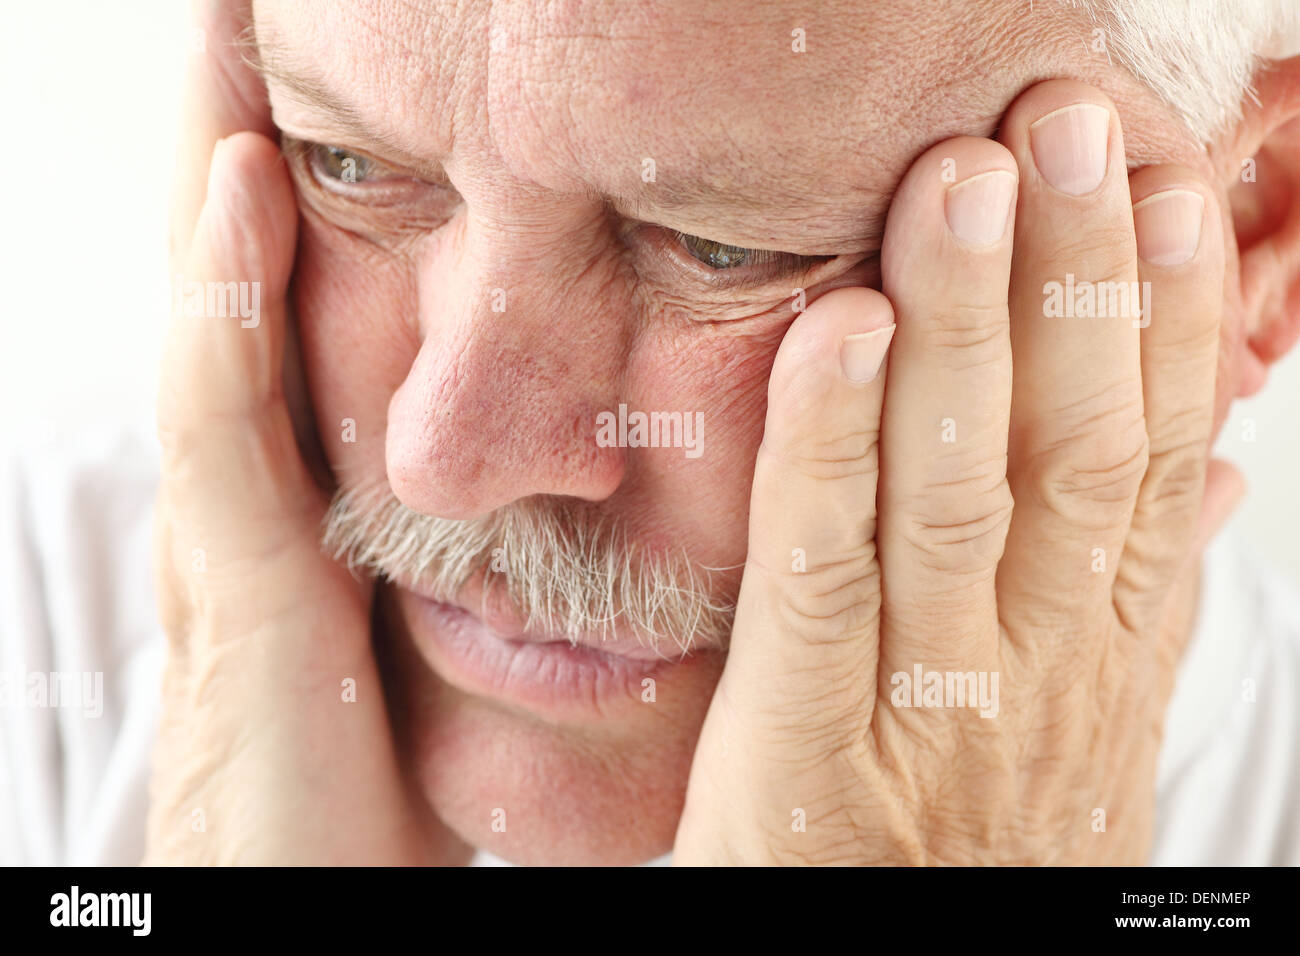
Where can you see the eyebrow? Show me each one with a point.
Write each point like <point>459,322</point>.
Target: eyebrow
<point>274,62</point>
<point>277,64</point>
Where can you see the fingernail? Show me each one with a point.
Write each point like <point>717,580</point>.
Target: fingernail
<point>1168,226</point>
<point>1070,146</point>
<point>862,354</point>
<point>977,208</point>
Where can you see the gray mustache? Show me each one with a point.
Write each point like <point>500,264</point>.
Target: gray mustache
<point>563,568</point>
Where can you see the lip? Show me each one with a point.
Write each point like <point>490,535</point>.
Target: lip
<point>502,621</point>
<point>541,673</point>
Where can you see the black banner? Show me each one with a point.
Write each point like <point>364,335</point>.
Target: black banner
<point>305,905</point>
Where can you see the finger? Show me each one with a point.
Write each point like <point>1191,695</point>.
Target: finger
<point>223,95</point>
<point>944,500</point>
<point>231,467</point>
<point>1077,449</point>
<point>807,613</point>
<point>1180,265</point>
<point>1224,489</point>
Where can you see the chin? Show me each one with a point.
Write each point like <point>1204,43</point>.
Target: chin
<point>536,751</point>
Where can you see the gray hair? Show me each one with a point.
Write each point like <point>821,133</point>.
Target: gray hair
<point>1198,56</point>
<point>564,567</point>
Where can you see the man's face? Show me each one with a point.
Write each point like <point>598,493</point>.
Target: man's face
<point>508,265</point>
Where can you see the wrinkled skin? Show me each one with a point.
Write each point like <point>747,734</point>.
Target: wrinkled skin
<point>527,110</point>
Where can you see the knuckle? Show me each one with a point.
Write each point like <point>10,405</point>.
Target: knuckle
<point>1089,483</point>
<point>1101,253</point>
<point>977,332</point>
<point>821,458</point>
<point>961,526</point>
<point>1184,433</point>
<point>834,600</point>
<point>1175,478</point>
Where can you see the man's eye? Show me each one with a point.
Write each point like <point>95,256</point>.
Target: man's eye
<point>334,162</point>
<point>719,256</point>
<point>715,255</point>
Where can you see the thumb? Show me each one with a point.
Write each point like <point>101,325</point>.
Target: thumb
<point>231,468</point>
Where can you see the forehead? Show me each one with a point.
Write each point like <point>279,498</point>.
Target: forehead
<point>806,114</point>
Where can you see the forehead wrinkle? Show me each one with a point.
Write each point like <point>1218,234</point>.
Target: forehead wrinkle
<point>273,60</point>
<point>780,218</point>
<point>681,186</point>
<point>556,124</point>
<point>771,211</point>
<point>705,177</point>
<point>413,65</point>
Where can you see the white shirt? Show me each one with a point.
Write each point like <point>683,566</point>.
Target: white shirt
<point>76,597</point>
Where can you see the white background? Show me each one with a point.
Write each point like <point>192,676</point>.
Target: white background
<point>91,100</point>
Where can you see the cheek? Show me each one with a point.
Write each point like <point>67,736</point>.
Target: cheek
<point>720,370</point>
<point>357,346</point>
<point>357,316</point>
<point>720,373</point>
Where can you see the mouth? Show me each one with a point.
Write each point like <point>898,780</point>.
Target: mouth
<point>491,653</point>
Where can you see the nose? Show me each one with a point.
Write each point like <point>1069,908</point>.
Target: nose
<point>524,343</point>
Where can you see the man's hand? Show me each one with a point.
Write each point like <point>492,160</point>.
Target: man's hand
<point>1027,536</point>
<point>275,745</point>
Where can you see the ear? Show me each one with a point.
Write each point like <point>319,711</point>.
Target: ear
<point>1261,157</point>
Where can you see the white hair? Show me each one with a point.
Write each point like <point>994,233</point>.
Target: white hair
<point>1198,56</point>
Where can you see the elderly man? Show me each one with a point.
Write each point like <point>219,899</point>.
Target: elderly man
<point>763,433</point>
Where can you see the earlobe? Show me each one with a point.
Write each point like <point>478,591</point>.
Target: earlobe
<point>1263,156</point>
